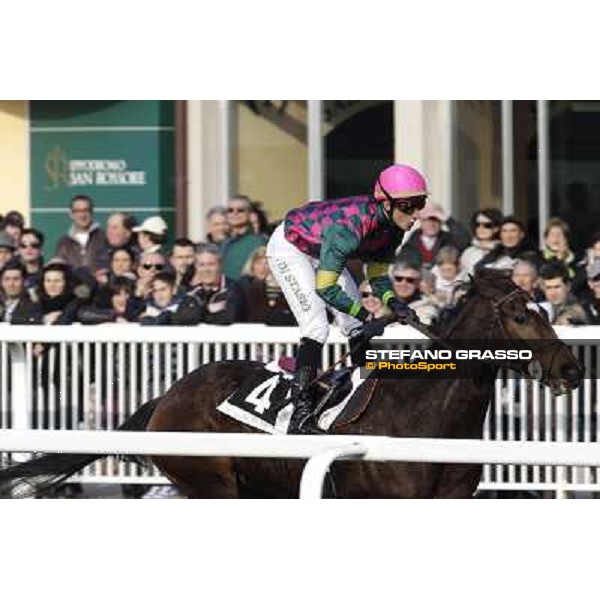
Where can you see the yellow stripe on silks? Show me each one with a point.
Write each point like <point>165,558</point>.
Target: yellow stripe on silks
<point>377,269</point>
<point>387,296</point>
<point>326,279</point>
<point>354,309</point>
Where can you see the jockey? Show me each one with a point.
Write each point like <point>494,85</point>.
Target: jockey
<point>308,252</point>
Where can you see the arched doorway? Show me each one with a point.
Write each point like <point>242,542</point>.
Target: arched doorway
<point>359,142</point>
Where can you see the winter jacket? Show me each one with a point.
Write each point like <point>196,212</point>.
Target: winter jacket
<point>92,255</point>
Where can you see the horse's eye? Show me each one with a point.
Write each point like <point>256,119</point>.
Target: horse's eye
<point>521,319</point>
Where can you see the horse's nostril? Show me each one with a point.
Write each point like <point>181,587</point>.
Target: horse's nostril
<point>571,372</point>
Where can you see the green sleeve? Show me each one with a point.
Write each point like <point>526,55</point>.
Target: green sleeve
<point>336,247</point>
<point>377,274</point>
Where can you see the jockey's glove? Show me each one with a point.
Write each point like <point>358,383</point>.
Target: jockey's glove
<point>372,328</point>
<point>403,312</point>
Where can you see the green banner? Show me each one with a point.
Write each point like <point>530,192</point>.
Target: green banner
<point>120,153</point>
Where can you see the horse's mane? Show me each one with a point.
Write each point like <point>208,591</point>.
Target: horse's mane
<point>488,283</point>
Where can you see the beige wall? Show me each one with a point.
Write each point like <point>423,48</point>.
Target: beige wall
<point>475,121</point>
<point>272,165</point>
<point>14,157</point>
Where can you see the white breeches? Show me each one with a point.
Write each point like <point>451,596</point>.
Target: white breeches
<point>295,273</point>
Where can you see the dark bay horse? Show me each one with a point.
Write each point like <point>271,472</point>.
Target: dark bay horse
<point>493,308</point>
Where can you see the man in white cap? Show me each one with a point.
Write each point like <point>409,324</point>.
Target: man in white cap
<point>152,234</point>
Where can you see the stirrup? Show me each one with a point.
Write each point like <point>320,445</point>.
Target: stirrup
<point>302,419</point>
<point>305,426</point>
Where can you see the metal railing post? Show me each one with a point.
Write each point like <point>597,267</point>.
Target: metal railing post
<point>313,476</point>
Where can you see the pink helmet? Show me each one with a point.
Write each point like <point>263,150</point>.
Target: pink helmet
<point>400,181</point>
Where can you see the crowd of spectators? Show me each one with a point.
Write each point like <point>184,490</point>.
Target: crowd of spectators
<point>442,254</point>
<point>126,273</point>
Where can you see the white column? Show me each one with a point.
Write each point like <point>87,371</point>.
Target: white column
<point>543,129</point>
<point>409,129</point>
<point>448,127</point>
<point>424,139</point>
<point>211,160</point>
<point>228,135</point>
<point>508,178</point>
<point>316,153</point>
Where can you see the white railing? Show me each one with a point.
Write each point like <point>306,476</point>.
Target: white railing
<point>320,451</point>
<point>94,377</point>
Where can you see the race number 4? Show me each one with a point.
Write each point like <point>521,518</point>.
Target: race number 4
<point>260,397</point>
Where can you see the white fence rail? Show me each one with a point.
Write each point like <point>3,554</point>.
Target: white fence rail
<point>320,450</point>
<point>93,378</point>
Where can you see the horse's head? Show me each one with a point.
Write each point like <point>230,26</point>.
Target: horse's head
<point>512,315</point>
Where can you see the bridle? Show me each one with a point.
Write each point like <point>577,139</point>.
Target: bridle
<point>497,322</point>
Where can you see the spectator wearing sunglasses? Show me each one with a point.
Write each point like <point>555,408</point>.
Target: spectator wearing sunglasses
<point>406,280</point>
<point>591,302</point>
<point>151,263</point>
<point>243,241</point>
<point>214,298</point>
<point>30,256</point>
<point>485,226</point>
<point>513,245</point>
<point>370,302</point>
<point>424,244</point>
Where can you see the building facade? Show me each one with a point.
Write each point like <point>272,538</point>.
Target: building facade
<point>535,159</point>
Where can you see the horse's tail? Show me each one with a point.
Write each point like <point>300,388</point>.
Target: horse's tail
<point>44,473</point>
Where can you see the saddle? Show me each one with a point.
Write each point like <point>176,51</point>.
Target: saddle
<point>262,401</point>
<point>332,388</point>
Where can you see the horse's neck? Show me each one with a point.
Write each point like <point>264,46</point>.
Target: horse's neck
<point>477,322</point>
<point>473,322</point>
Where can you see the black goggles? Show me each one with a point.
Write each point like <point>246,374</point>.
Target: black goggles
<point>406,205</point>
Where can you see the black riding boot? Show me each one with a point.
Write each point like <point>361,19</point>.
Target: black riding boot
<point>309,356</point>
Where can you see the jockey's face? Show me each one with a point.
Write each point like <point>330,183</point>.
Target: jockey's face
<point>404,219</point>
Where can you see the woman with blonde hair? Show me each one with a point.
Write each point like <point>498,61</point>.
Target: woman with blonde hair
<point>556,245</point>
<point>263,297</point>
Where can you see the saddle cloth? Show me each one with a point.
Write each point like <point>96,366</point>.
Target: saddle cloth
<point>263,402</point>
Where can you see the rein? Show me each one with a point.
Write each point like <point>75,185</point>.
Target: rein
<point>443,341</point>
